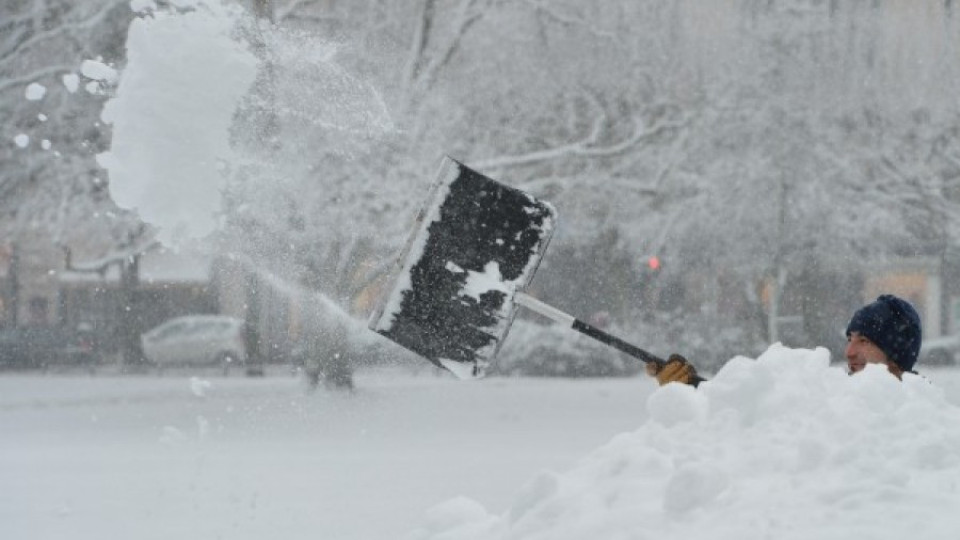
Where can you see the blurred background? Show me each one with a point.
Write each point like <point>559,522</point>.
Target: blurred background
<point>728,174</point>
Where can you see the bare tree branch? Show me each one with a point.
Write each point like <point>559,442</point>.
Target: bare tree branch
<point>281,13</point>
<point>58,31</point>
<point>28,78</point>
<point>582,149</point>
<point>564,19</point>
<point>418,45</point>
<point>465,20</point>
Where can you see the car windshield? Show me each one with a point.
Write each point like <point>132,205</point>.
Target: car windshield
<point>170,330</point>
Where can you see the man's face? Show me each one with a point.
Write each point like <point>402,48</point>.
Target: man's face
<point>861,351</point>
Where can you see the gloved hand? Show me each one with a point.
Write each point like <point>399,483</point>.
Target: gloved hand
<point>675,369</point>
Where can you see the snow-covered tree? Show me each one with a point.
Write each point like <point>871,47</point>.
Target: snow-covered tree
<point>49,179</point>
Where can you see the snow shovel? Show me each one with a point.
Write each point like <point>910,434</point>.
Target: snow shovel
<point>474,247</point>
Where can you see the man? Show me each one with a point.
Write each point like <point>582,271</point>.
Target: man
<point>886,331</point>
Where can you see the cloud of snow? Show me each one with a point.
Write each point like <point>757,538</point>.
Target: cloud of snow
<point>188,73</point>
<point>314,93</point>
<point>22,140</point>
<point>185,75</point>
<point>784,446</point>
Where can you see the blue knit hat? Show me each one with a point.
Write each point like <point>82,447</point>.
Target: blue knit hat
<point>893,325</point>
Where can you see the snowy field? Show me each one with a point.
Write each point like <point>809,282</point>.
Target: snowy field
<point>425,456</point>
<point>145,457</point>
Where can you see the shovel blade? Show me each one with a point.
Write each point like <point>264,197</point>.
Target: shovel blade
<point>475,243</point>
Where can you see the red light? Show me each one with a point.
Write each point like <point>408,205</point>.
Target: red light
<point>654,262</point>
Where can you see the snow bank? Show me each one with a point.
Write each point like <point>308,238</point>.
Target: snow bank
<point>784,446</point>
<point>185,76</point>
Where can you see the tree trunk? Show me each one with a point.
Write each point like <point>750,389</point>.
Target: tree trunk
<point>130,314</point>
<point>14,279</point>
<point>251,335</point>
<point>263,9</point>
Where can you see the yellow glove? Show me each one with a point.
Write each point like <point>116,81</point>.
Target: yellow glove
<point>675,369</point>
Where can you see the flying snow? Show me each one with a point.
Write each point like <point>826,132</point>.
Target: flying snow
<point>71,81</point>
<point>188,72</point>
<point>98,71</point>
<point>784,446</point>
<point>171,116</point>
<point>35,91</point>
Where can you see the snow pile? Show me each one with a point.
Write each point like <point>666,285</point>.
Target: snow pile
<point>185,76</point>
<point>783,447</point>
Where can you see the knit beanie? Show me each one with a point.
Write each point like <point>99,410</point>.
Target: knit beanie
<point>893,325</point>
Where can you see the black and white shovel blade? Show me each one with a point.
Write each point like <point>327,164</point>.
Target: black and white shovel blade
<point>475,243</point>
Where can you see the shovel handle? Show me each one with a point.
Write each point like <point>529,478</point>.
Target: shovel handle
<point>614,341</point>
<point>551,312</point>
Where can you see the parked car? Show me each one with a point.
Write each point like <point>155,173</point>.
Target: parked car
<point>196,340</point>
<point>31,347</point>
<point>941,351</point>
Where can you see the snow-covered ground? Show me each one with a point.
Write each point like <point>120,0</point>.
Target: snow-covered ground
<point>813,454</point>
<point>202,457</point>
